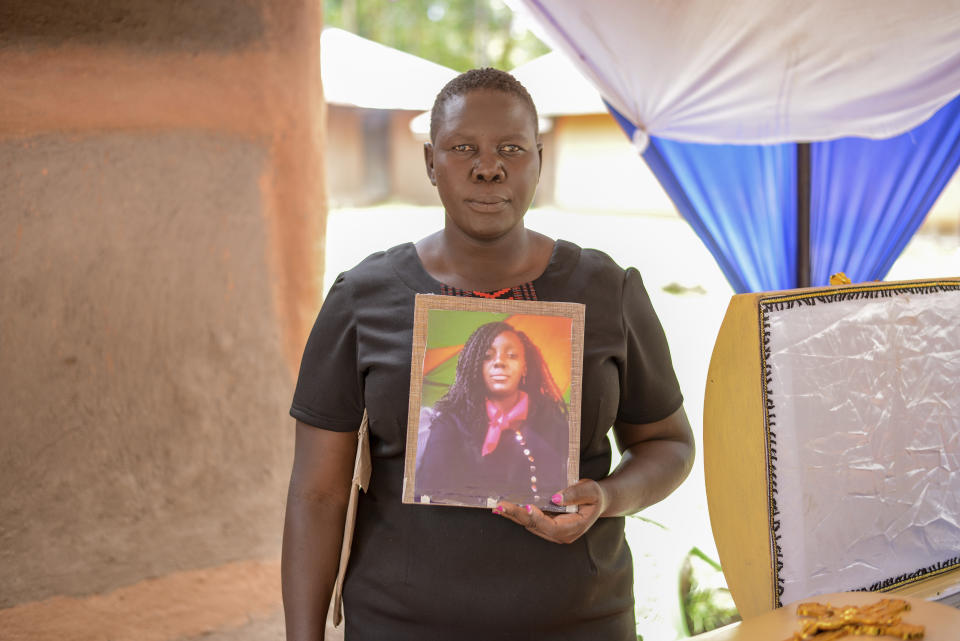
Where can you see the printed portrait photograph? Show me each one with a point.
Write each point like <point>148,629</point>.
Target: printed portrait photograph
<point>492,396</point>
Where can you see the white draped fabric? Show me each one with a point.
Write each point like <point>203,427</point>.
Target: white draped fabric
<point>763,71</point>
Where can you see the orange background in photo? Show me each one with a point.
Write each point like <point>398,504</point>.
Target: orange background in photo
<point>552,335</point>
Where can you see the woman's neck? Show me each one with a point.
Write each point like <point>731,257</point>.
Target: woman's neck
<point>456,259</point>
<point>506,404</point>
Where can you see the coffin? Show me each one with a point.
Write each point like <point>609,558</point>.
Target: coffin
<point>832,442</point>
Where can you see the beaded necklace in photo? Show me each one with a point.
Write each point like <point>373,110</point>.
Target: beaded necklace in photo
<point>533,463</point>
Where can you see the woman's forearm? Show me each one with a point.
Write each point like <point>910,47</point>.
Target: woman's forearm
<point>313,527</point>
<point>312,537</point>
<point>656,458</point>
<point>646,474</point>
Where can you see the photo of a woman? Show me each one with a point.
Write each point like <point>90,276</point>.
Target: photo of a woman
<point>500,431</point>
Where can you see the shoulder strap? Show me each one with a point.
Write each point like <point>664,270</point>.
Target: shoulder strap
<point>361,480</point>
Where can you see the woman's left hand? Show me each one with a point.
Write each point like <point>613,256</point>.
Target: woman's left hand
<point>656,457</point>
<point>561,527</point>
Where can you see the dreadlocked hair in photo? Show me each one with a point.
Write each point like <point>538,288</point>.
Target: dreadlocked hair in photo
<point>467,396</point>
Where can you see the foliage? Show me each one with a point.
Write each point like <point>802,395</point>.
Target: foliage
<point>706,603</point>
<point>460,34</point>
<point>678,290</point>
<point>639,517</point>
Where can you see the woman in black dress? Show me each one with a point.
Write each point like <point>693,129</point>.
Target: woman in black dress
<point>423,572</point>
<point>501,430</point>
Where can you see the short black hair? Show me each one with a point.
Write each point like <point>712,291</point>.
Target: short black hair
<point>485,78</point>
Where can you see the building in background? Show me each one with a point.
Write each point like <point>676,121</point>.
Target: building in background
<point>372,93</point>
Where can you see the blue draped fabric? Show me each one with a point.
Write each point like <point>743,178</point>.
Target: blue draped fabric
<point>868,197</point>
<point>741,201</point>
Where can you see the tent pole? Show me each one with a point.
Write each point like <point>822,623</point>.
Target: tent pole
<point>803,215</point>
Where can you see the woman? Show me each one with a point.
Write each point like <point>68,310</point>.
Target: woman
<point>501,429</point>
<point>437,572</point>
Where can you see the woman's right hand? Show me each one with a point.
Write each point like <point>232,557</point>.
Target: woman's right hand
<point>313,527</point>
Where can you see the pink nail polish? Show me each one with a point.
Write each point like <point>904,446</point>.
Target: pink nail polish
<point>529,509</point>
<point>498,510</point>
<point>557,498</point>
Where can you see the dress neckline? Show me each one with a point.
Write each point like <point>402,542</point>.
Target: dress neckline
<point>408,266</point>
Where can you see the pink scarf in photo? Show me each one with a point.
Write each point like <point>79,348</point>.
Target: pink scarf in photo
<point>500,421</point>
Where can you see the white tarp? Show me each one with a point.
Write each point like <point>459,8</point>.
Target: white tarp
<point>763,71</point>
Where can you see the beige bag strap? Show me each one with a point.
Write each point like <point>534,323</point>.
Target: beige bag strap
<point>361,481</point>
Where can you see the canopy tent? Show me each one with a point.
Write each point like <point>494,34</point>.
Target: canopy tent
<point>363,73</point>
<point>716,97</point>
<point>558,88</point>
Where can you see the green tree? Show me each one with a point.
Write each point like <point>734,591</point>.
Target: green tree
<point>460,34</point>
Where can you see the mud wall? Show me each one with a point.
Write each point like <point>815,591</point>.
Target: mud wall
<point>162,205</point>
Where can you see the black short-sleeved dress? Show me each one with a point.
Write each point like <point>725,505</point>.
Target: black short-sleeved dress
<point>434,572</point>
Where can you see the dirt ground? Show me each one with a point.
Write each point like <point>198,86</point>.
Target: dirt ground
<point>268,629</point>
<point>239,600</point>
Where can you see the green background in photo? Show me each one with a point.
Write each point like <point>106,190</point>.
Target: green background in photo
<point>450,327</point>
<point>446,328</point>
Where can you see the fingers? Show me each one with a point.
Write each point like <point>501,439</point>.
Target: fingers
<point>583,492</point>
<point>587,495</point>
<point>558,528</point>
<point>531,518</point>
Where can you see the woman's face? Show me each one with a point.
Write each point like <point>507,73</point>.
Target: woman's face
<point>504,365</point>
<point>485,162</point>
